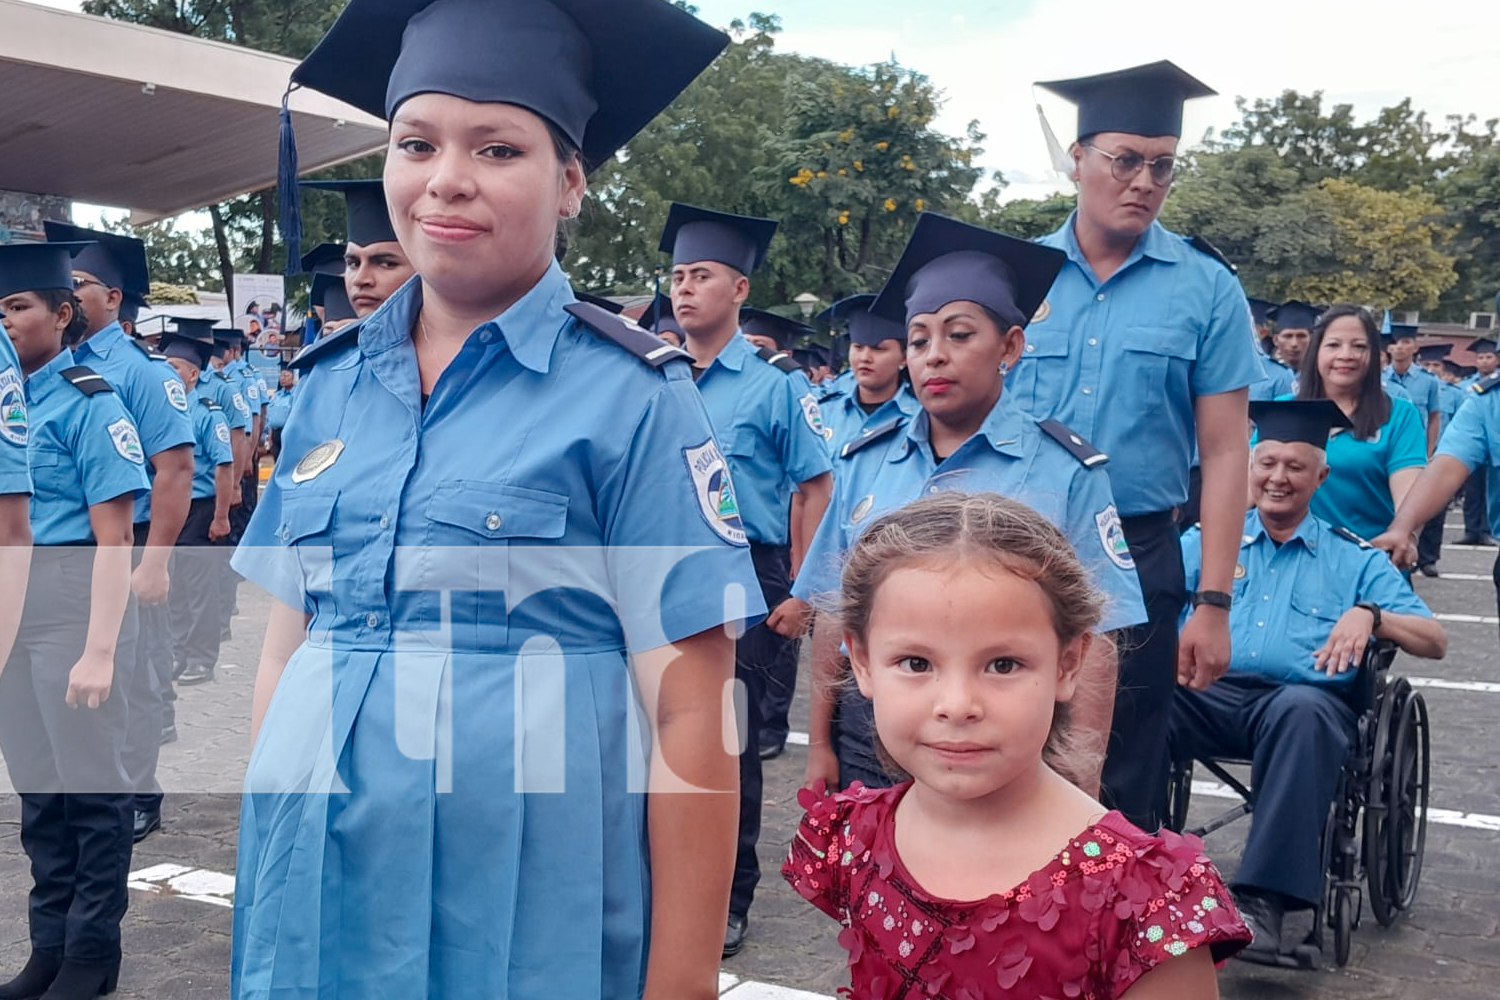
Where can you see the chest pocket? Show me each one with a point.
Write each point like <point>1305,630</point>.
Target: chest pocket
<point>744,442</point>
<point>470,526</point>
<point>1312,618</point>
<point>1160,352</point>
<point>1040,367</point>
<point>306,535</point>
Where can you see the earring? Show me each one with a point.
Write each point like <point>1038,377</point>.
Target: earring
<point>571,212</point>
<point>1004,368</point>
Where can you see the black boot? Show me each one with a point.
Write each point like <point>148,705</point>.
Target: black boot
<point>41,969</point>
<point>83,982</point>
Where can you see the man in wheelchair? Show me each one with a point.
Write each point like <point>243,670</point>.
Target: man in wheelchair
<point>1307,601</point>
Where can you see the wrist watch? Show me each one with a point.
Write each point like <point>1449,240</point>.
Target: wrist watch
<point>1374,610</point>
<point>1213,598</point>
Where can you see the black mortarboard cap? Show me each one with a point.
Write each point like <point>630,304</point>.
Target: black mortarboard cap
<point>115,259</point>
<point>190,328</point>
<point>1142,100</point>
<point>325,258</point>
<point>228,336</point>
<point>1260,310</point>
<point>853,315</point>
<point>193,341</point>
<point>33,267</point>
<point>609,305</point>
<point>1434,352</point>
<point>1295,315</point>
<point>599,70</point>
<point>329,292</point>
<point>658,316</point>
<point>130,306</point>
<point>781,329</point>
<point>812,357</point>
<point>1457,370</point>
<point>1403,330</point>
<point>950,261</point>
<point>1305,420</point>
<point>698,234</point>
<point>1483,345</point>
<point>368,220</point>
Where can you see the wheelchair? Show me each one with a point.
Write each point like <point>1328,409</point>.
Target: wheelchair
<point>1376,830</point>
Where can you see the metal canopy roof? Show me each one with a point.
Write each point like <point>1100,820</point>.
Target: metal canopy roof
<point>117,114</point>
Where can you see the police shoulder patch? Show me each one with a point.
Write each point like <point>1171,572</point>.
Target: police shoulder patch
<point>325,347</point>
<point>221,431</point>
<point>1486,384</point>
<point>634,338</point>
<point>86,380</point>
<point>13,419</point>
<point>176,393</point>
<point>126,440</point>
<point>870,435</point>
<point>781,359</point>
<point>1202,245</point>
<point>1080,449</point>
<point>1112,537</point>
<point>714,491</point>
<point>1350,536</point>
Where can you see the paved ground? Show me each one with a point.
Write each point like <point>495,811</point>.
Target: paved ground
<point>177,931</point>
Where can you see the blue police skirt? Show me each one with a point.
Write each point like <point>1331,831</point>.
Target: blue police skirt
<point>419,822</point>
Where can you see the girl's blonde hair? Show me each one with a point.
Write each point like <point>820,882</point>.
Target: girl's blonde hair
<point>948,527</point>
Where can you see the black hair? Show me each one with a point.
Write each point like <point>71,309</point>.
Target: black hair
<point>1373,407</point>
<point>54,299</point>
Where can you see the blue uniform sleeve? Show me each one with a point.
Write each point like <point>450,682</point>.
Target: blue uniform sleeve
<point>1381,582</point>
<point>671,523</point>
<point>15,466</point>
<point>216,438</point>
<point>160,409</point>
<point>264,558</point>
<point>236,410</point>
<point>1192,565</point>
<point>1228,357</point>
<point>107,451</point>
<point>804,450</point>
<point>1099,539</point>
<point>820,580</point>
<point>1407,447</point>
<point>1473,435</point>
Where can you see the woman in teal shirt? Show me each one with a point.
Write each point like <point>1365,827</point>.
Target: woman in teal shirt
<point>1371,467</point>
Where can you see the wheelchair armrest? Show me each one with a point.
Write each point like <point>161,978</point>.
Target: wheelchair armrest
<point>1379,655</point>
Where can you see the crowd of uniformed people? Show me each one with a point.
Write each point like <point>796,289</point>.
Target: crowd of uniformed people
<point>461,430</point>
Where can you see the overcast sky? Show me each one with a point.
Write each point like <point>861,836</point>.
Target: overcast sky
<point>985,54</point>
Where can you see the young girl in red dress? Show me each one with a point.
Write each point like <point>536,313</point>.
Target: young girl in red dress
<point>988,874</point>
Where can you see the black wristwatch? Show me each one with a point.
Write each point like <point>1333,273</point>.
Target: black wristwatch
<point>1374,609</point>
<point>1213,598</point>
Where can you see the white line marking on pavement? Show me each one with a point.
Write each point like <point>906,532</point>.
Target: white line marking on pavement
<point>1468,548</point>
<point>1443,817</point>
<point>197,884</point>
<point>1480,687</point>
<point>1471,577</point>
<point>797,739</point>
<point>765,991</point>
<point>1469,619</point>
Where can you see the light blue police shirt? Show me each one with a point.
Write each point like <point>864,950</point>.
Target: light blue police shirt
<point>1287,598</point>
<point>15,469</point>
<point>1473,437</point>
<point>768,423</point>
<point>1010,455</point>
<point>280,407</point>
<point>224,389</point>
<point>844,420</point>
<point>150,391</point>
<point>211,447</point>
<point>1422,387</point>
<point>1279,381</point>
<point>1122,361</point>
<point>84,450</point>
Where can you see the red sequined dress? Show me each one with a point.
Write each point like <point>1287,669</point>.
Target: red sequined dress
<point>1103,912</point>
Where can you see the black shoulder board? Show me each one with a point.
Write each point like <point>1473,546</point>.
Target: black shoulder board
<point>636,339</point>
<point>870,435</point>
<point>325,346</point>
<point>781,359</point>
<point>830,396</point>
<point>1486,384</point>
<point>1083,451</point>
<point>1203,246</point>
<point>209,403</point>
<point>1350,536</point>
<point>86,380</point>
<point>147,351</point>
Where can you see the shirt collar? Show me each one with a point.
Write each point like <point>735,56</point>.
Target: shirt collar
<point>103,342</point>
<point>1001,430</point>
<point>1156,242</point>
<point>1309,532</point>
<point>535,320</point>
<point>735,352</point>
<point>48,379</point>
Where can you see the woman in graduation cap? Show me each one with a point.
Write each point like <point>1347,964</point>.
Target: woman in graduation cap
<point>62,715</point>
<point>964,296</point>
<point>504,551</point>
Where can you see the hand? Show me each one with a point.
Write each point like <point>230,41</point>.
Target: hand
<point>235,498</point>
<point>790,618</point>
<point>822,765</point>
<point>1203,648</point>
<point>90,680</point>
<point>150,581</point>
<point>1346,644</point>
<point>1403,548</point>
<point>218,528</point>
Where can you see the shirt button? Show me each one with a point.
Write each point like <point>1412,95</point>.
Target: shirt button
<point>1254,655</point>
<point>485,337</point>
<point>1093,341</point>
<point>932,489</point>
<point>1087,391</point>
<point>385,521</point>
<point>1267,597</point>
<point>1030,348</point>
<point>492,522</point>
<point>1099,297</point>
<point>372,619</point>
<point>1260,624</point>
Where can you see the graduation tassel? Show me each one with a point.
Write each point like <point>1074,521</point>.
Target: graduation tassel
<point>288,198</point>
<point>1061,161</point>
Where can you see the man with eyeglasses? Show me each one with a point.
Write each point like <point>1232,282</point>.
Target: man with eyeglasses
<point>1145,347</point>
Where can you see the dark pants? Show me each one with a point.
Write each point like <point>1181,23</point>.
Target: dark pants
<point>1495,575</point>
<point>1430,541</point>
<point>1476,510</point>
<point>76,799</point>
<point>756,649</point>
<point>1187,516</point>
<point>1137,763</point>
<point>198,568</point>
<point>239,517</point>
<point>149,696</point>
<point>780,683</point>
<point>1296,736</point>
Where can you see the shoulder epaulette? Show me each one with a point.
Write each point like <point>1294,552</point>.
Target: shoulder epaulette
<point>1486,384</point>
<point>781,359</point>
<point>830,396</point>
<point>1350,536</point>
<point>86,380</point>
<point>634,338</point>
<point>1080,449</point>
<point>324,347</point>
<point>209,403</point>
<point>1201,245</point>
<point>871,435</point>
<point>147,351</point>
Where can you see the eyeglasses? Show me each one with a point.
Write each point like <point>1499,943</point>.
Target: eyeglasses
<point>79,282</point>
<point>1124,166</point>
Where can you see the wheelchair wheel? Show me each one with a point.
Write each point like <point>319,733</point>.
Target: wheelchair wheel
<point>1343,924</point>
<point>1179,791</point>
<point>1377,839</point>
<point>1406,828</point>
